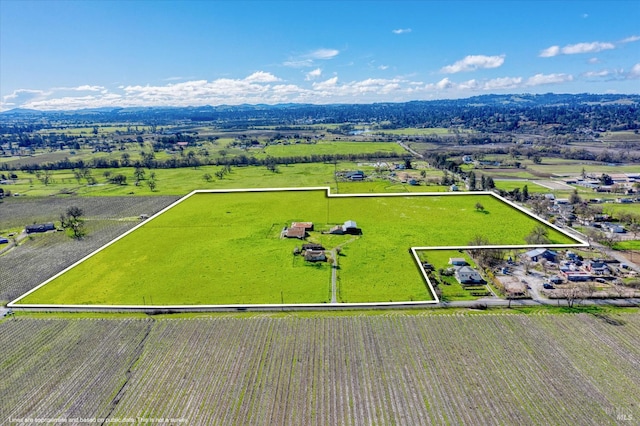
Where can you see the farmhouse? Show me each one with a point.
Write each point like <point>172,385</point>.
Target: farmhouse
<point>468,275</point>
<point>298,230</point>
<point>308,226</point>
<point>40,227</point>
<point>315,256</point>
<point>300,233</point>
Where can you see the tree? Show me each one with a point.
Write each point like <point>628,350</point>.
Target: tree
<point>125,159</point>
<point>152,184</point>
<point>539,235</point>
<point>479,207</point>
<point>572,293</point>
<point>574,198</point>
<point>490,183</point>
<point>72,221</point>
<point>138,173</point>
<point>207,177</point>
<point>472,181</point>
<point>525,193</point>
<point>485,257</point>
<point>118,179</point>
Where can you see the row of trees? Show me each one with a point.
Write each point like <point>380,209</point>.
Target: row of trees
<point>149,161</point>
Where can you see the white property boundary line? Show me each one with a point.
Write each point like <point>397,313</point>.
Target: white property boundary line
<point>414,252</point>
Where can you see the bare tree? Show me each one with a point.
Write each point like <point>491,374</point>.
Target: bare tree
<point>573,294</point>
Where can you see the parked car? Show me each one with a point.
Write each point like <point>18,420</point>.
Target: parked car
<point>548,286</point>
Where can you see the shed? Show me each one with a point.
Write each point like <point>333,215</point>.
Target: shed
<point>541,253</point>
<point>312,246</point>
<point>337,230</point>
<point>315,256</point>
<point>350,227</point>
<point>40,227</point>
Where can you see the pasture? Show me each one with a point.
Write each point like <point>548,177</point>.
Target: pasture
<point>225,248</point>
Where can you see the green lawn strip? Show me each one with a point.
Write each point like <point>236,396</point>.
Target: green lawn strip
<point>224,248</point>
<point>627,245</point>
<point>510,185</point>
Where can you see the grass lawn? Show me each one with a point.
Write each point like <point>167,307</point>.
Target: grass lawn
<point>627,245</point>
<point>510,185</point>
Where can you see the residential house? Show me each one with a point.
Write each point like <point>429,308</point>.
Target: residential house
<point>457,261</point>
<point>468,275</point>
<point>299,233</point>
<point>597,267</point>
<point>40,227</point>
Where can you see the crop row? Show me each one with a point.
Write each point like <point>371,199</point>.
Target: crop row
<point>36,260</point>
<point>61,368</point>
<point>457,369</point>
<point>21,211</point>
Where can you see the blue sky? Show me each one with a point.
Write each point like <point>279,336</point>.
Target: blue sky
<point>70,55</point>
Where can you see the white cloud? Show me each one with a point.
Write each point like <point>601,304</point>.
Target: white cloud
<point>595,46</point>
<point>550,51</point>
<point>630,39</point>
<point>573,49</point>
<point>308,59</point>
<point>88,88</point>
<point>540,79</point>
<point>266,88</point>
<point>635,72</point>
<point>474,62</point>
<point>262,77</point>
<point>383,67</point>
<point>298,63</point>
<point>502,83</point>
<point>312,75</point>
<point>323,54</point>
<point>401,31</point>
<point>596,74</point>
<point>593,60</point>
<point>327,84</point>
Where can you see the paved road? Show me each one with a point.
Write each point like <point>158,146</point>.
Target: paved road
<point>406,147</point>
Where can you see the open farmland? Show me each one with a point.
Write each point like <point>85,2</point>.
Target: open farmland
<point>225,248</point>
<point>332,148</point>
<point>577,369</point>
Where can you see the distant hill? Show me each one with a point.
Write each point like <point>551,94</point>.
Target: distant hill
<point>572,111</point>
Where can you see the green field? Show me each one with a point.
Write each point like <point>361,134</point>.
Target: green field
<point>225,248</point>
<point>330,148</point>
